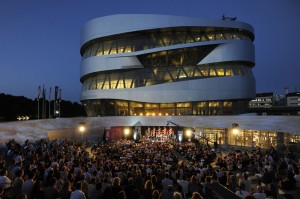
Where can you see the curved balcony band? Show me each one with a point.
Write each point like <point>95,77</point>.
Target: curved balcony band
<point>163,62</point>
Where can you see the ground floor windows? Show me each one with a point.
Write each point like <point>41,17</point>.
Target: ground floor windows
<point>111,107</point>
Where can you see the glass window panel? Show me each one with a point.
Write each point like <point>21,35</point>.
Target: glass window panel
<point>175,58</point>
<point>185,104</point>
<point>211,36</point>
<point>219,36</point>
<point>221,72</point>
<point>203,37</point>
<point>189,38</point>
<point>248,138</point>
<point>205,71</point>
<point>148,105</point>
<point>212,72</point>
<point>182,74</point>
<point>229,72</point>
<point>189,71</point>
<point>136,108</point>
<point>197,72</point>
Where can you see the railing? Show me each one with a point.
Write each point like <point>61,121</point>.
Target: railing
<point>218,191</point>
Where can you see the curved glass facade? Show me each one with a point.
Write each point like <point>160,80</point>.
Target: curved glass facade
<point>152,76</point>
<point>144,40</point>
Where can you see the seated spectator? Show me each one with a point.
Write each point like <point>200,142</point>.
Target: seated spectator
<point>77,193</point>
<point>194,185</point>
<point>38,190</point>
<point>116,186</point>
<point>297,177</point>
<point>167,193</point>
<point>28,184</point>
<point>246,182</point>
<point>241,190</point>
<point>259,194</point>
<point>288,182</point>
<point>96,193</point>
<point>196,195</point>
<point>166,181</point>
<point>66,190</point>
<point>51,191</point>
<point>155,194</point>
<point>177,195</point>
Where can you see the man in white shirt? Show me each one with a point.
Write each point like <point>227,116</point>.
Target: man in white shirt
<point>28,184</point>
<point>166,181</point>
<point>4,180</point>
<point>184,184</point>
<point>241,190</point>
<point>297,178</point>
<point>77,194</point>
<point>259,194</point>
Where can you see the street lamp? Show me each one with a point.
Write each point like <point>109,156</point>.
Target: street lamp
<point>82,129</point>
<point>189,134</point>
<point>235,131</point>
<point>126,132</point>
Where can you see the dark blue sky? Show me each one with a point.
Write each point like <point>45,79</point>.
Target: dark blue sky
<point>39,39</point>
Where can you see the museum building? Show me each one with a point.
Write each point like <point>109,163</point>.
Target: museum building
<point>140,64</point>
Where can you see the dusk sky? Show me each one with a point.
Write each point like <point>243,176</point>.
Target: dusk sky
<point>40,39</point>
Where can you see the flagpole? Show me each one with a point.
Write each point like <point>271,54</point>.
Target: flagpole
<point>38,108</point>
<point>59,101</point>
<point>43,110</point>
<point>55,101</point>
<point>49,101</point>
<point>38,99</point>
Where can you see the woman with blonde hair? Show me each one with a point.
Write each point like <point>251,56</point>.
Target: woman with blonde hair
<point>194,185</point>
<point>116,187</point>
<point>148,189</point>
<point>66,190</point>
<point>196,195</point>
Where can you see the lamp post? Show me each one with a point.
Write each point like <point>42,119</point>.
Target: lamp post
<point>235,131</point>
<point>82,129</point>
<point>126,133</point>
<point>189,134</point>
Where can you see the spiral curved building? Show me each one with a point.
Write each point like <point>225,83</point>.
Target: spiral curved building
<point>166,65</point>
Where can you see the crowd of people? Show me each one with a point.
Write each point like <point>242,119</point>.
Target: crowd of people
<point>140,170</point>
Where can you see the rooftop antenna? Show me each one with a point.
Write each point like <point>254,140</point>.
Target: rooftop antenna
<point>228,18</point>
